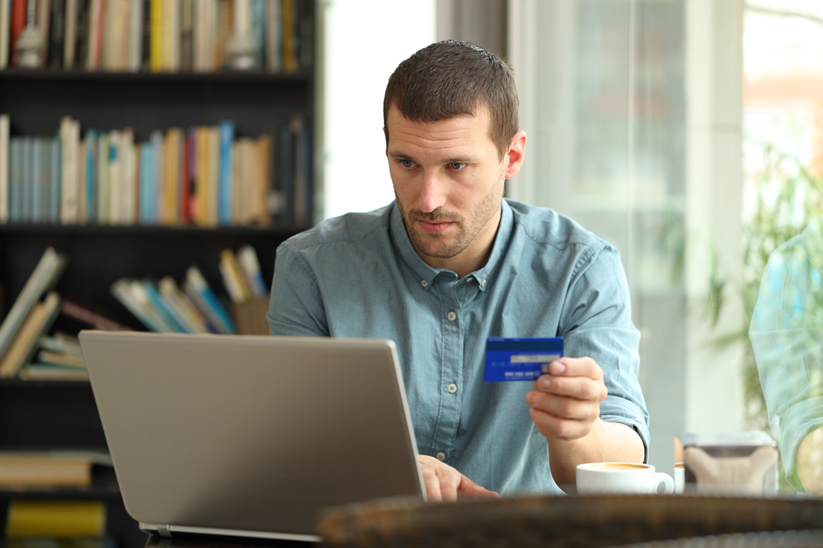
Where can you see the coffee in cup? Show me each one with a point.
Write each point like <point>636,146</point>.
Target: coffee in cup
<point>622,477</point>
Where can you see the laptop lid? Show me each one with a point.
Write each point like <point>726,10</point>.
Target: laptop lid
<point>250,435</point>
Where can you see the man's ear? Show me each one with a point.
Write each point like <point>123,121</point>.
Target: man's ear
<point>516,154</point>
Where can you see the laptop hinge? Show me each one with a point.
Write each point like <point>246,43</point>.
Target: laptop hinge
<point>164,531</point>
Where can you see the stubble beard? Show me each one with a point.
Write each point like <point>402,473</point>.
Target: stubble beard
<point>441,245</point>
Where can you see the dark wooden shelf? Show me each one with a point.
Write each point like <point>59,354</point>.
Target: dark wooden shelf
<point>229,78</point>
<point>93,229</point>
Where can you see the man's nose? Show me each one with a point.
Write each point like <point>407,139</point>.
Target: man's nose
<point>433,192</point>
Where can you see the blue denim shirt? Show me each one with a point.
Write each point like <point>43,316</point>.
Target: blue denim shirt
<point>359,276</point>
<point>787,339</point>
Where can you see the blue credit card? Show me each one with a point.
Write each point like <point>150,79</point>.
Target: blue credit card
<point>520,359</point>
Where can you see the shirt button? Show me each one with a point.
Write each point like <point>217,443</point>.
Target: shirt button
<point>483,283</point>
<point>424,283</point>
<point>441,456</point>
<point>452,316</point>
<point>452,388</point>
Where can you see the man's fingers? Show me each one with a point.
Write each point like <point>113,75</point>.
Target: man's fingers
<point>580,388</point>
<point>432,484</point>
<point>564,407</point>
<point>470,489</point>
<point>444,483</point>
<point>576,367</point>
<point>553,427</point>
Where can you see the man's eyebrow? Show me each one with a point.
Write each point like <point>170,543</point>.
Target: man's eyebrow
<point>398,155</point>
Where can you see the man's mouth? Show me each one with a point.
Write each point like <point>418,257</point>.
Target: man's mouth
<point>434,227</point>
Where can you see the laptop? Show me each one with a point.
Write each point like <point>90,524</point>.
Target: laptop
<point>250,436</point>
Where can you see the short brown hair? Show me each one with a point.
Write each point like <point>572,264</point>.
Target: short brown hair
<point>449,78</point>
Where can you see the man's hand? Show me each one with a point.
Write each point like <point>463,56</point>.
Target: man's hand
<point>565,403</point>
<point>565,407</point>
<point>445,483</point>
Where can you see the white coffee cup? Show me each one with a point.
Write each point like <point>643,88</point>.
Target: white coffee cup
<point>622,477</point>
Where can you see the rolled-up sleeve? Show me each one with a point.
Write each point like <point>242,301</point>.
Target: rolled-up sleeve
<point>597,323</point>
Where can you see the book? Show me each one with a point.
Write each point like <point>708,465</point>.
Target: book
<point>54,203</point>
<point>78,311</point>
<point>5,13</point>
<point>51,518</point>
<point>48,268</point>
<point>69,137</point>
<point>187,35</point>
<point>196,287</point>
<point>25,343</point>
<point>26,188</point>
<point>212,191</point>
<point>115,184</point>
<point>169,197</point>
<point>274,54</point>
<point>82,457</point>
<point>54,35</point>
<point>61,358</point>
<point>225,182</point>
<point>36,182</point>
<point>250,266</point>
<point>70,34</point>
<point>90,149</point>
<point>267,203</point>
<point>61,342</point>
<point>132,294</point>
<point>102,179</point>
<point>36,371</point>
<point>159,305</point>
<point>82,182</point>
<point>50,468</point>
<point>15,198</point>
<point>183,309</point>
<point>4,152</point>
<point>233,278</point>
<point>17,23</point>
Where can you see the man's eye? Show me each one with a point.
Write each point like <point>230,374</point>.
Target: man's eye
<point>406,163</point>
<point>457,166</point>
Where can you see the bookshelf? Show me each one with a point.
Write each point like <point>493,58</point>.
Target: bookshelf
<point>62,414</point>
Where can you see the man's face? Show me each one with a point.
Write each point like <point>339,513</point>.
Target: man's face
<point>448,180</point>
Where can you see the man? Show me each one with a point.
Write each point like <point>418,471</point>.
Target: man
<point>786,330</point>
<point>450,263</point>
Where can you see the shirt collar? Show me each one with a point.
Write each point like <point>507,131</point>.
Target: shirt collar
<point>427,274</point>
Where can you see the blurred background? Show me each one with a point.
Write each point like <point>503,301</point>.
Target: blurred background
<point>688,133</point>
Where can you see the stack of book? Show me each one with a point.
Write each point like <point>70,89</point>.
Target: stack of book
<point>27,348</point>
<point>164,306</point>
<point>58,357</point>
<point>202,176</point>
<point>51,468</point>
<point>32,523</point>
<point>162,36</point>
<point>30,318</point>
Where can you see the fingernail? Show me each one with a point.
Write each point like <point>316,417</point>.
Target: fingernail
<point>558,368</point>
<point>529,398</point>
<point>545,382</point>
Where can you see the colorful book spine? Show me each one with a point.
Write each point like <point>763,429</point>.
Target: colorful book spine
<point>56,164</point>
<point>36,182</point>
<point>200,292</point>
<point>91,180</point>
<point>15,174</point>
<point>4,147</point>
<point>226,134</point>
